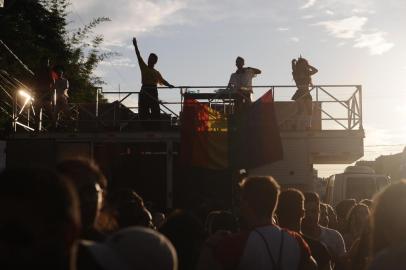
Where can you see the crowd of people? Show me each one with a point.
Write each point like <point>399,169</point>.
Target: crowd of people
<point>68,218</point>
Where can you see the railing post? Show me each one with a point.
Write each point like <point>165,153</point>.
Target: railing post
<point>97,102</point>
<point>359,87</point>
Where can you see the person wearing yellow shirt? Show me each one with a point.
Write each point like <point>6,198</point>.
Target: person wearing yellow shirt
<point>148,102</point>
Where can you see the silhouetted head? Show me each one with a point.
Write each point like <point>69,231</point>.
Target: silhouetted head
<point>259,197</point>
<point>389,217</point>
<point>186,233</point>
<point>152,59</point>
<point>135,248</point>
<point>342,209</point>
<point>290,207</point>
<point>220,221</point>
<point>312,209</point>
<point>89,182</point>
<point>239,62</point>
<point>39,220</point>
<point>130,209</point>
<point>357,219</point>
<point>59,70</point>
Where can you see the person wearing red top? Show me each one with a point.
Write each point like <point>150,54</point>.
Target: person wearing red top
<point>262,244</point>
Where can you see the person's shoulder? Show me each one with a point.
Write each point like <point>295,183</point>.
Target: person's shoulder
<point>330,231</point>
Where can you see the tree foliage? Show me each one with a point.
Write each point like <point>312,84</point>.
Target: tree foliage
<point>35,29</point>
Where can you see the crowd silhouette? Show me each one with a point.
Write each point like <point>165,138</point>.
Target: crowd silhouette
<point>69,219</point>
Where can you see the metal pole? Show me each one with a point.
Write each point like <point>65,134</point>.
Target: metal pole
<point>359,87</point>
<point>169,174</point>
<point>97,102</point>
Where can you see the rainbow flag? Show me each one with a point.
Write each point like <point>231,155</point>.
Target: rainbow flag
<point>204,141</point>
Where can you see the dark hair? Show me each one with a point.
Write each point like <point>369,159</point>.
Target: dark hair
<point>351,214</point>
<point>312,197</point>
<point>261,193</point>
<point>343,207</point>
<point>39,217</point>
<point>84,175</point>
<point>221,221</point>
<point>290,204</point>
<point>186,233</point>
<point>153,57</point>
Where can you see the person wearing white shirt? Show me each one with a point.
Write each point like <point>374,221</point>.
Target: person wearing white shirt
<point>241,83</point>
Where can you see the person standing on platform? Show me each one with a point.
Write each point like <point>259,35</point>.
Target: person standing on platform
<point>302,72</point>
<point>148,102</point>
<point>241,83</point>
<point>60,100</point>
<point>43,92</point>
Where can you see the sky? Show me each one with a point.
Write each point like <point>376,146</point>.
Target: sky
<point>350,42</point>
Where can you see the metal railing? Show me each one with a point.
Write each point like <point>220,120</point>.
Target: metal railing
<point>337,106</point>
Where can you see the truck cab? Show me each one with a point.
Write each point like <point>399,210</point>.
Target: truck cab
<point>357,182</point>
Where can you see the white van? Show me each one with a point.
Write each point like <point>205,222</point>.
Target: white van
<point>357,182</point>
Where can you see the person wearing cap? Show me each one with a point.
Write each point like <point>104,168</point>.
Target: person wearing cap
<point>241,83</point>
<point>135,248</point>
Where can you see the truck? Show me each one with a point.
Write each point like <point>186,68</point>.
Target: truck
<point>356,182</point>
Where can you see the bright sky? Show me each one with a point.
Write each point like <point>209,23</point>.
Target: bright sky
<point>197,41</point>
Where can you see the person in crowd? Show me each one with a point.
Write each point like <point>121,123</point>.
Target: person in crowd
<point>342,209</point>
<point>135,248</point>
<point>158,219</point>
<point>302,72</point>
<point>148,102</point>
<point>220,221</point>
<point>262,244</point>
<point>357,220</point>
<point>89,182</point>
<point>186,233</point>
<point>129,210</point>
<point>367,202</point>
<point>388,228</point>
<point>241,83</point>
<point>324,220</point>
<point>332,217</point>
<point>312,228</point>
<point>39,221</point>
<point>290,213</point>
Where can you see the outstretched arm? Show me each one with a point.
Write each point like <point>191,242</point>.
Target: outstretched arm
<point>161,80</point>
<point>167,84</point>
<point>137,52</point>
<point>255,70</point>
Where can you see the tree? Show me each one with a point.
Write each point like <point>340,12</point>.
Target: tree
<point>34,29</point>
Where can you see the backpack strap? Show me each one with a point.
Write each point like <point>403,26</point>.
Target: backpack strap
<point>275,266</point>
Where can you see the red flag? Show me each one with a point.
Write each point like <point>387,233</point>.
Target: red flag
<point>257,135</point>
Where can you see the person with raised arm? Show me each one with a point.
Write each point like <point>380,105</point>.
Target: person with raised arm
<point>148,102</point>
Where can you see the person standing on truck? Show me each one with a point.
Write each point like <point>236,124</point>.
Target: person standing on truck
<point>148,102</point>
<point>302,72</point>
<point>241,83</point>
